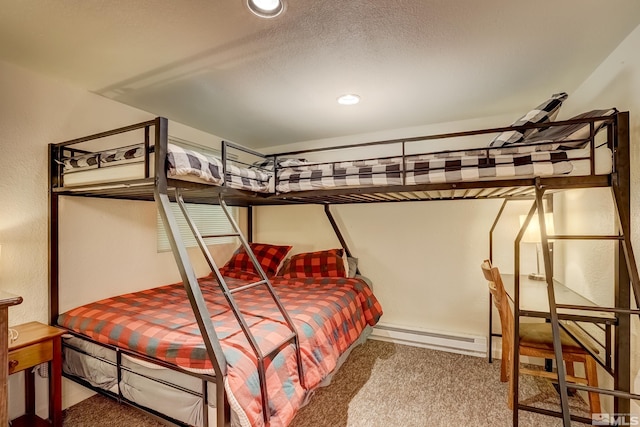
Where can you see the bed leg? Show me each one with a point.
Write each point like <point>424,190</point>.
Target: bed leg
<point>223,411</point>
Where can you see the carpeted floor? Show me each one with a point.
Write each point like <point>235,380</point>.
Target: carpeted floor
<point>387,385</point>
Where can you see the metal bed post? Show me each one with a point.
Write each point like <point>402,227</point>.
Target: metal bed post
<point>493,227</point>
<point>627,273</point>
<point>250,223</point>
<point>336,230</point>
<point>192,287</point>
<point>555,324</point>
<point>515,351</point>
<point>53,238</point>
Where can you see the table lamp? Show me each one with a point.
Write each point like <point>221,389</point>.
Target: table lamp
<point>532,235</point>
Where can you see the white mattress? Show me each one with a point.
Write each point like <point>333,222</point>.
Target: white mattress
<point>603,161</point>
<point>123,172</point>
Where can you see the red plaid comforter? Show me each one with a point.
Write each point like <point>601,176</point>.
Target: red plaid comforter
<point>329,315</point>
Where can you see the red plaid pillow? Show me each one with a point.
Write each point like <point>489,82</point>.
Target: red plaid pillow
<point>269,256</point>
<point>315,264</point>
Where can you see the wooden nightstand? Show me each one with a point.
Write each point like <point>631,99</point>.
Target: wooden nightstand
<point>6,300</point>
<point>38,343</point>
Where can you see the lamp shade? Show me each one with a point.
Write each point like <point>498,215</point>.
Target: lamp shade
<point>532,234</point>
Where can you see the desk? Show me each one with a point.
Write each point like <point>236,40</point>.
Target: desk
<point>6,300</point>
<point>38,343</point>
<point>534,302</point>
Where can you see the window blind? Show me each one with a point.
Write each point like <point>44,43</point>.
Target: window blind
<point>210,219</point>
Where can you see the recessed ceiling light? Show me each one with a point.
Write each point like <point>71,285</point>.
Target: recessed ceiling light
<point>349,99</point>
<point>266,8</point>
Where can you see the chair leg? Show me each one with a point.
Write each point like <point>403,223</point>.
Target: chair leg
<point>569,368</point>
<point>505,362</point>
<point>591,371</point>
<point>570,372</point>
<point>509,364</point>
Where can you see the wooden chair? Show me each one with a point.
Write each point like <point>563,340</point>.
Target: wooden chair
<point>536,340</point>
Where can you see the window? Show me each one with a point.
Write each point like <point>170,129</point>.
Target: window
<point>210,219</point>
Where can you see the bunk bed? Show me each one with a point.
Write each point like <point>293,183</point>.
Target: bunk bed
<point>205,351</point>
<point>590,150</point>
<point>333,313</point>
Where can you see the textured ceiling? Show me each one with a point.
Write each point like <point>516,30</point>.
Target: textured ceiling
<point>215,66</point>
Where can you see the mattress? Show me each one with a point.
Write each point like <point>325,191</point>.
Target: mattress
<point>173,393</point>
<point>473,165</point>
<point>127,163</point>
<point>330,314</point>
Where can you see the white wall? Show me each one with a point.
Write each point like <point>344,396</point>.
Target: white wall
<point>107,247</point>
<point>589,266</point>
<point>422,266</point>
<point>34,112</point>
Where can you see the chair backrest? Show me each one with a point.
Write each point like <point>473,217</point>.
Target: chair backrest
<point>500,299</point>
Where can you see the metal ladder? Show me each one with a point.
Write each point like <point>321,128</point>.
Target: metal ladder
<point>622,310</point>
<point>229,296</point>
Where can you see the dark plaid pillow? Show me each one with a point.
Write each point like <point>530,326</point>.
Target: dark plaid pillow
<point>269,256</point>
<point>283,162</point>
<point>572,136</point>
<point>315,264</point>
<point>543,113</point>
<point>82,161</point>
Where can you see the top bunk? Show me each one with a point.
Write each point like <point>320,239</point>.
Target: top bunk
<point>137,161</point>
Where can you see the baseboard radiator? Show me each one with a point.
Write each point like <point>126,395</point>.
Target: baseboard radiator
<point>454,343</point>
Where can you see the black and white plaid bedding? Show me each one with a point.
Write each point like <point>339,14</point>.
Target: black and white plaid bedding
<point>248,179</point>
<point>576,135</point>
<point>91,160</point>
<point>188,163</point>
<point>474,168</point>
<point>182,163</point>
<point>543,113</point>
<point>469,165</point>
<point>330,175</point>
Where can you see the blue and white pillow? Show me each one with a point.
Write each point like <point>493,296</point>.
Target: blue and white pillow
<point>543,113</point>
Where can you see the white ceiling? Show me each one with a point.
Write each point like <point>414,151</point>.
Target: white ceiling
<point>213,65</point>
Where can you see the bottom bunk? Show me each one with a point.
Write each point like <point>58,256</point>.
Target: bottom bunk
<point>331,315</point>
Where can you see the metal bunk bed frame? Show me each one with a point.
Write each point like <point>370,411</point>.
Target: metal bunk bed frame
<point>158,188</point>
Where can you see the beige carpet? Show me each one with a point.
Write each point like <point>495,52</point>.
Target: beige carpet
<point>388,385</point>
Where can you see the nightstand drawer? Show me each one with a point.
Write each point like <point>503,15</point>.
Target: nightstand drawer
<point>30,356</point>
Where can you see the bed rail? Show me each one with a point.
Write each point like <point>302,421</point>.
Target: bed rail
<point>401,152</point>
<point>120,164</point>
<point>449,135</point>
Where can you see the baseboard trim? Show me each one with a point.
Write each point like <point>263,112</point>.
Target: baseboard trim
<point>471,345</point>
